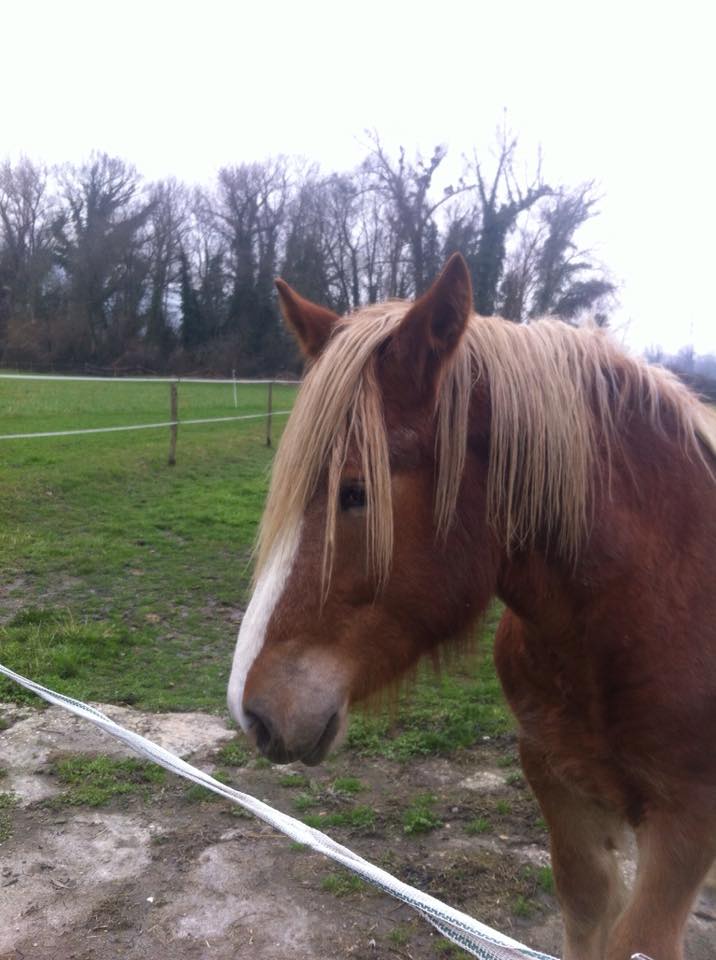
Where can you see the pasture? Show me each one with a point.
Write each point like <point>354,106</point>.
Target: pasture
<point>123,582</point>
<point>122,556</point>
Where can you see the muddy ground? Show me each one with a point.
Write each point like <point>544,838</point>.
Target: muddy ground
<point>167,872</point>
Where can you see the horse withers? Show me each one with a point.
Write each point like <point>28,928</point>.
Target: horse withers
<point>434,459</point>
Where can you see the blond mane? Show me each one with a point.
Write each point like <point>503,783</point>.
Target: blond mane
<point>556,394</point>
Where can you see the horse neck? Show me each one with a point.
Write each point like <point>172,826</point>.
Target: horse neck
<point>537,590</point>
<point>649,496</point>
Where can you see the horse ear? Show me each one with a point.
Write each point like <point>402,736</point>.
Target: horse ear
<point>432,328</point>
<point>312,325</point>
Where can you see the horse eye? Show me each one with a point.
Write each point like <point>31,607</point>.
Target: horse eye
<point>352,496</point>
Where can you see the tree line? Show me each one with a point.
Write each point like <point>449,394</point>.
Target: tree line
<point>698,371</point>
<point>100,268</point>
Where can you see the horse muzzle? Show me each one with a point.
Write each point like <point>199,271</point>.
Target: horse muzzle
<point>283,737</point>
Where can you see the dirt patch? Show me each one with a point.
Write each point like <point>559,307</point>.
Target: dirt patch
<point>179,874</point>
<point>14,594</point>
<point>35,737</point>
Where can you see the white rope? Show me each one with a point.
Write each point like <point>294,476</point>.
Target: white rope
<point>479,940</point>
<point>54,376</point>
<point>139,426</point>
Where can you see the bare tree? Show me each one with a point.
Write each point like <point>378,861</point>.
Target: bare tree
<point>168,223</point>
<point>250,209</point>
<point>315,235</point>
<point>501,202</point>
<point>100,246</point>
<point>26,256</point>
<point>96,265</point>
<point>343,239</point>
<point>519,277</point>
<point>405,188</point>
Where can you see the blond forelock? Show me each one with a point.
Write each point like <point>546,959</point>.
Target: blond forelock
<point>557,395</point>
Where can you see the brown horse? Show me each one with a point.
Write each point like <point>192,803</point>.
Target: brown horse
<point>435,458</point>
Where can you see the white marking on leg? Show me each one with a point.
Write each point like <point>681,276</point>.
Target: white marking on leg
<point>252,633</point>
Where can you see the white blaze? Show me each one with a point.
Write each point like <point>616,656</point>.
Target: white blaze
<point>252,633</point>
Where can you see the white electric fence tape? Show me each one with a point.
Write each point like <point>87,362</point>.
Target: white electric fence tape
<point>139,426</point>
<point>479,940</point>
<point>177,380</point>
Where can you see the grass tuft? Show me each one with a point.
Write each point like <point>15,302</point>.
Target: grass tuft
<point>304,801</point>
<point>234,754</point>
<point>349,785</point>
<point>399,936</point>
<point>7,802</point>
<point>477,826</point>
<point>96,781</point>
<point>342,884</point>
<point>545,880</point>
<point>420,817</point>
<point>359,818</point>
<point>294,781</point>
<point>522,907</point>
<point>196,793</point>
<point>447,950</point>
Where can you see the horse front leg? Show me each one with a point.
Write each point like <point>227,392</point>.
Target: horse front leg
<point>584,837</point>
<point>676,849</point>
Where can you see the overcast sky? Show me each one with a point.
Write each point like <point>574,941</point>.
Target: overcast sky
<point>618,92</point>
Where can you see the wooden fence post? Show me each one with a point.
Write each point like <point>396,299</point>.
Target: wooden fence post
<point>174,417</point>
<point>269,415</point>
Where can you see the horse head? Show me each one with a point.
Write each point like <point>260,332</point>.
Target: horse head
<point>366,560</point>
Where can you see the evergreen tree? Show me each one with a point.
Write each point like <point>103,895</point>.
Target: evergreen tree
<point>565,281</point>
<point>192,329</point>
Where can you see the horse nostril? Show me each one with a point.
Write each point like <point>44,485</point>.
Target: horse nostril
<point>260,729</point>
<point>261,725</point>
<point>323,744</point>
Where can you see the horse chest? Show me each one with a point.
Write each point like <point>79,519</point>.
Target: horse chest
<point>561,700</point>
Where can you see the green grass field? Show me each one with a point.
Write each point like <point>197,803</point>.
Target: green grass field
<point>28,406</point>
<point>123,579</point>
